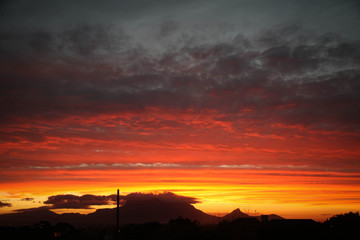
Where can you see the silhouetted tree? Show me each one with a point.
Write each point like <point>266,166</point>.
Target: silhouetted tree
<point>181,228</point>
<point>343,226</point>
<point>65,231</point>
<point>146,230</point>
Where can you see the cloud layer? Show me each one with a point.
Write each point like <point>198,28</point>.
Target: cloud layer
<point>79,202</point>
<point>99,85</point>
<point>3,204</point>
<point>67,201</point>
<point>283,74</point>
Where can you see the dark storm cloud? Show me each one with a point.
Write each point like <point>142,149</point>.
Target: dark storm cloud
<point>86,201</point>
<point>2,204</point>
<point>86,39</point>
<point>69,58</point>
<point>323,15</point>
<point>282,74</point>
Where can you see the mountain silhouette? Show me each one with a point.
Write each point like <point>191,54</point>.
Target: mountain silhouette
<point>28,217</point>
<point>234,215</point>
<point>271,217</point>
<point>139,211</point>
<point>134,211</point>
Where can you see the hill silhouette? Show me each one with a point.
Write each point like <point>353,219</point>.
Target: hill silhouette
<point>139,211</point>
<point>270,217</point>
<point>28,217</point>
<point>134,211</point>
<point>234,215</point>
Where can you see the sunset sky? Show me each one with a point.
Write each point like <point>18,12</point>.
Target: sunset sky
<point>235,103</point>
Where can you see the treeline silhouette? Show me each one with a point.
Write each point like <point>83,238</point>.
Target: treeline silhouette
<point>344,226</point>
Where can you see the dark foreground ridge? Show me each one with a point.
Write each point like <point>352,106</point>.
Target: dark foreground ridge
<point>158,219</point>
<point>338,227</point>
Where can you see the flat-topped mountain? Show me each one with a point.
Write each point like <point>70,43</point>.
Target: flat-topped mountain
<point>134,211</point>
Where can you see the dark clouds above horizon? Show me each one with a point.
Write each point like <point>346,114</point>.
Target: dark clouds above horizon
<point>116,70</point>
<point>106,56</point>
<point>249,15</point>
<point>4,204</point>
<point>283,74</point>
<point>69,201</point>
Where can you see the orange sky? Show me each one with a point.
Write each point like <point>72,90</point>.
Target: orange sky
<point>226,160</point>
<point>288,170</point>
<point>287,193</point>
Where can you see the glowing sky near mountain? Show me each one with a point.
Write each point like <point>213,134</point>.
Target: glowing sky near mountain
<point>249,104</point>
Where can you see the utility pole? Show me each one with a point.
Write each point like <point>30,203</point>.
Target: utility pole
<point>117,211</point>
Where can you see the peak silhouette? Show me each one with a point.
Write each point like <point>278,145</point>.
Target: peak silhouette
<point>134,211</point>
<point>234,215</point>
<point>138,211</point>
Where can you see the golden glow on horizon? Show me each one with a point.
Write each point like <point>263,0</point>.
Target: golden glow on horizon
<point>277,168</point>
<point>219,191</point>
